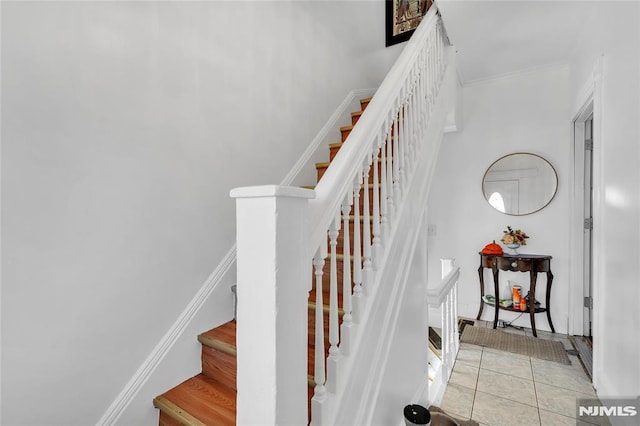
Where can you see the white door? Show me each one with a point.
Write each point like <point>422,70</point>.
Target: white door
<point>588,226</point>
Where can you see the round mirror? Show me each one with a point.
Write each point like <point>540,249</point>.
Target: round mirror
<point>520,184</point>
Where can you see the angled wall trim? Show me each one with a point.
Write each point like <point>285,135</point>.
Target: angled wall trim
<point>149,365</point>
<point>332,123</point>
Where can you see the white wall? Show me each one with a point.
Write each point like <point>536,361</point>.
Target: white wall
<point>533,112</point>
<point>519,113</point>
<point>124,127</point>
<point>613,37</point>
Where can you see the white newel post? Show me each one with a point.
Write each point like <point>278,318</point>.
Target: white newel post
<point>274,280</point>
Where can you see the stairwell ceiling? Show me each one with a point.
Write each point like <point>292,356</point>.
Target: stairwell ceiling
<point>494,38</point>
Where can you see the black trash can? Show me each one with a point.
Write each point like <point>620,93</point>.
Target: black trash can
<point>415,414</point>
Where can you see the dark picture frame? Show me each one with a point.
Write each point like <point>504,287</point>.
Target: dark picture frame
<point>402,17</point>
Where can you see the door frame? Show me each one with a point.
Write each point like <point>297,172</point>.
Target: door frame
<point>577,223</point>
<point>589,103</point>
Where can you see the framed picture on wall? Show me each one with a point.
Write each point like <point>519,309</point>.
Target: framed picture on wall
<point>402,17</point>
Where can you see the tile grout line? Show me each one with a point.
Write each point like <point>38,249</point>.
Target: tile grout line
<point>507,397</point>
<point>535,391</point>
<point>475,391</point>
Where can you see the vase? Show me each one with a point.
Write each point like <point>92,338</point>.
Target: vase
<point>514,248</point>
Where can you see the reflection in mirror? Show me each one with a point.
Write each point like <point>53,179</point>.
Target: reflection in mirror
<point>520,184</point>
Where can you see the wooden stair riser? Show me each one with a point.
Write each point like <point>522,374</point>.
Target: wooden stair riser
<point>220,366</point>
<point>364,103</point>
<point>167,420</point>
<point>345,132</point>
<point>333,150</point>
<point>355,116</point>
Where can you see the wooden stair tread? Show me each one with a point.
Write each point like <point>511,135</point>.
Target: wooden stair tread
<point>222,338</point>
<point>201,398</point>
<point>175,414</point>
<point>356,113</point>
<point>366,99</point>
<point>346,128</point>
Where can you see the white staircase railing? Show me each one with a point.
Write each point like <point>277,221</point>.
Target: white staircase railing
<point>377,184</point>
<point>444,297</point>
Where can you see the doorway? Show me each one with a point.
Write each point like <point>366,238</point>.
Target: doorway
<point>588,229</point>
<point>583,289</point>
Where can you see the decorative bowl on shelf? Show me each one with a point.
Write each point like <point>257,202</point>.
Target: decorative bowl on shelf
<point>514,248</point>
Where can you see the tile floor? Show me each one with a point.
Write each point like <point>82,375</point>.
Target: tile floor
<point>498,388</point>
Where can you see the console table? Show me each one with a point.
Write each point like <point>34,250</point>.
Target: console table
<point>532,263</point>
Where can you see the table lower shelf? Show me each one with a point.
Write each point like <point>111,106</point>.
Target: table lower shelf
<point>510,308</point>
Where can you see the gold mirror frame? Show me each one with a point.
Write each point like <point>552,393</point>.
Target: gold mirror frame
<point>520,178</point>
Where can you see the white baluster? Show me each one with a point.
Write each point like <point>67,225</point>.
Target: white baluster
<point>319,373</point>
<point>334,230</point>
<point>406,140</point>
<point>411,136</point>
<point>407,131</point>
<point>421,101</point>
<point>445,344</point>
<point>402,144</point>
<point>384,202</point>
<point>391,136</point>
<point>453,325</point>
<point>397,155</point>
<point>439,57</point>
<point>456,333</point>
<point>367,272</point>
<point>415,114</point>
<point>447,330</point>
<point>357,259</point>
<point>428,79</point>
<point>410,124</point>
<point>377,237</point>
<point>415,107</point>
<point>440,47</point>
<point>425,92</point>
<point>334,331</point>
<point>345,341</point>
<point>432,72</point>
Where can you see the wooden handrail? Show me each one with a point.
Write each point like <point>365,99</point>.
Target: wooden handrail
<point>338,178</point>
<point>437,294</point>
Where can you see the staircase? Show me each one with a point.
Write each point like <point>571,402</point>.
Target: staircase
<point>329,278</point>
<point>209,398</point>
